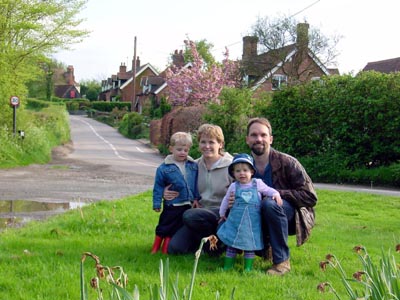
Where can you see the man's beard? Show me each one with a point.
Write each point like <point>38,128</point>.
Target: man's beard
<point>258,150</point>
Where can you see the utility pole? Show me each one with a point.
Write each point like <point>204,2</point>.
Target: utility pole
<point>134,77</point>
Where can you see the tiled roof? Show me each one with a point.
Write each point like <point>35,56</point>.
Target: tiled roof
<point>384,66</point>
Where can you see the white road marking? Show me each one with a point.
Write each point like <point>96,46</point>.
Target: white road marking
<point>104,140</point>
<point>115,150</point>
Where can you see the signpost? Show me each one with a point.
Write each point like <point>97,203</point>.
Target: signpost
<point>14,102</point>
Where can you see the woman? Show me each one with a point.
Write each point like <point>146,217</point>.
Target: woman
<point>213,182</point>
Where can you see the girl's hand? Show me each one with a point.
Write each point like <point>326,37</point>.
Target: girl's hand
<point>169,195</point>
<point>277,198</point>
<point>221,219</point>
<point>157,209</point>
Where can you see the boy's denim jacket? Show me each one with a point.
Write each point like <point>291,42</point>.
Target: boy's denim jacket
<point>168,173</point>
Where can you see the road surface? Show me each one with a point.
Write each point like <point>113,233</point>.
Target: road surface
<point>99,164</point>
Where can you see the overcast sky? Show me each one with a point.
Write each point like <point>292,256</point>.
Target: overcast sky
<point>369,30</point>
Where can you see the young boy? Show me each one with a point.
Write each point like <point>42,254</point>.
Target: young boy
<point>179,172</point>
<point>242,228</point>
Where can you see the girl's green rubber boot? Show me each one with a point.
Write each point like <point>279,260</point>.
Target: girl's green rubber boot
<point>228,263</point>
<point>248,264</point>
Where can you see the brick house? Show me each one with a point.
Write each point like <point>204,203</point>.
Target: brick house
<point>384,66</point>
<point>119,87</point>
<point>150,85</point>
<point>65,85</point>
<point>290,64</point>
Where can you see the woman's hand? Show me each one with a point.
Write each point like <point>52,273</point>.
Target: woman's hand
<point>169,195</point>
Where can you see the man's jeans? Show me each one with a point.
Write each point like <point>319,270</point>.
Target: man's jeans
<point>276,221</point>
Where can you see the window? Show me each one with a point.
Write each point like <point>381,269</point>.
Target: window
<point>278,81</point>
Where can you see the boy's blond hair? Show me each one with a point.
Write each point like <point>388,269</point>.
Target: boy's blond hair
<point>181,138</point>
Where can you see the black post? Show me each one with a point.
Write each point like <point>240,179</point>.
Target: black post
<point>14,120</point>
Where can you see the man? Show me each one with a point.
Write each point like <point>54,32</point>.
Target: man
<point>285,174</point>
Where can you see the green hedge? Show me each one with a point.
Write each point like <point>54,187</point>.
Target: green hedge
<point>341,124</point>
<point>109,106</point>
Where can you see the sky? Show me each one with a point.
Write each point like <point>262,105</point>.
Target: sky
<point>368,30</point>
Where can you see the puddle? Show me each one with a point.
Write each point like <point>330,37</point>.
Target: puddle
<point>16,213</point>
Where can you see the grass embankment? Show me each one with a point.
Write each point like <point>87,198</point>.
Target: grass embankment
<point>42,260</point>
<point>45,127</point>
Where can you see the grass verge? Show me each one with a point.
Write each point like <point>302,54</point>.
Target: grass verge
<point>42,260</point>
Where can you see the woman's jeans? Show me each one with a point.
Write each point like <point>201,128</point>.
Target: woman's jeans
<point>197,224</point>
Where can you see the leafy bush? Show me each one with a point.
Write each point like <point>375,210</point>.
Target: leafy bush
<point>236,104</point>
<point>35,104</point>
<point>109,106</point>
<point>161,110</point>
<point>78,104</point>
<point>132,125</point>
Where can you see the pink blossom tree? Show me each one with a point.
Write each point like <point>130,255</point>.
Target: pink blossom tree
<point>194,84</point>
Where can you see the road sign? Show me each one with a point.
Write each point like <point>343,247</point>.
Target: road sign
<point>14,101</point>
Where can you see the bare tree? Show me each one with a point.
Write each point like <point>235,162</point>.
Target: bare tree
<point>280,36</point>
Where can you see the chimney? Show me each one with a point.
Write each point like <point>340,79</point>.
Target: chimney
<point>249,47</point>
<point>178,60</point>
<point>70,75</point>
<point>122,68</point>
<point>302,36</point>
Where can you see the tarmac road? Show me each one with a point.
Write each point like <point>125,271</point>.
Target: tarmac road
<point>99,164</point>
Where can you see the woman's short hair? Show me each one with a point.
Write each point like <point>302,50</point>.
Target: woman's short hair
<point>212,131</point>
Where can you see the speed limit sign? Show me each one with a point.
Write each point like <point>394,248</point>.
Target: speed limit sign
<point>14,101</point>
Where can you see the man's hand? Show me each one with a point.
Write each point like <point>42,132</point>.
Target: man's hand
<point>169,195</point>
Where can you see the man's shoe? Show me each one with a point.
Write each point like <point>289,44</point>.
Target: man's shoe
<point>279,269</point>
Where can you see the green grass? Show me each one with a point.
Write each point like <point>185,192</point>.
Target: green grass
<point>43,129</point>
<point>42,260</point>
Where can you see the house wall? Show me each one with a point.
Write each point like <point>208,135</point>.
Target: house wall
<point>127,93</point>
<point>307,69</point>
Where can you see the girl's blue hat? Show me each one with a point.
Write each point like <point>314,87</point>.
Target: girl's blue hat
<point>241,158</point>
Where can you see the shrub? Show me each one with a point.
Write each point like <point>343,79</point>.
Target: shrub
<point>109,106</point>
<point>132,125</point>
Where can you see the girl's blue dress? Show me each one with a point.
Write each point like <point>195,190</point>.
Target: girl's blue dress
<point>242,229</point>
